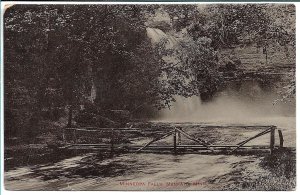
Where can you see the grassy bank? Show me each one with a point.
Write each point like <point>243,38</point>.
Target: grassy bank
<point>279,173</point>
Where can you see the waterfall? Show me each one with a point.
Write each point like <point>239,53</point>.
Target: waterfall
<point>229,109</point>
<point>156,35</point>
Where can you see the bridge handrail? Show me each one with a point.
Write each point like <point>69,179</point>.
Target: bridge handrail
<point>101,129</point>
<point>177,131</point>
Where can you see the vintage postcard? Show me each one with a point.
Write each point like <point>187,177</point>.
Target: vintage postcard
<point>131,96</point>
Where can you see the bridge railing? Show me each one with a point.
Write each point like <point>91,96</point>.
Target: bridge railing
<point>177,134</point>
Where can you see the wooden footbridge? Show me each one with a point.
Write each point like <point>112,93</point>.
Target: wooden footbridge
<point>201,146</point>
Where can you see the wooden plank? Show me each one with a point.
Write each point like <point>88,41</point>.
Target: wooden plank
<point>204,143</point>
<point>141,129</point>
<point>280,138</point>
<point>199,147</point>
<point>255,136</point>
<point>170,149</point>
<point>255,127</point>
<point>208,152</point>
<point>251,138</point>
<point>162,146</point>
<point>202,148</point>
<point>100,128</point>
<point>212,146</point>
<point>156,139</point>
<point>106,129</point>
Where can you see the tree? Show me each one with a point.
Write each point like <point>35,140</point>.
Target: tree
<point>264,25</point>
<point>69,47</point>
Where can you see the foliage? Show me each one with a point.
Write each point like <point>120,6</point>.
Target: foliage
<point>228,25</point>
<point>288,92</point>
<point>190,65</point>
<point>69,48</point>
<point>55,54</point>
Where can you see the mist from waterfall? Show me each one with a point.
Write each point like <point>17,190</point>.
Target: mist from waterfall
<point>229,108</point>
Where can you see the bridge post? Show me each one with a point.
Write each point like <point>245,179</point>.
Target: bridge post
<point>280,138</point>
<point>272,139</point>
<point>63,135</point>
<point>175,141</point>
<point>74,136</point>
<point>179,138</point>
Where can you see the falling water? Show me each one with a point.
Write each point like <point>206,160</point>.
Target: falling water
<point>227,107</point>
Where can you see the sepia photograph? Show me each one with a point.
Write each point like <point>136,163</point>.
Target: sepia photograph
<point>149,97</point>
